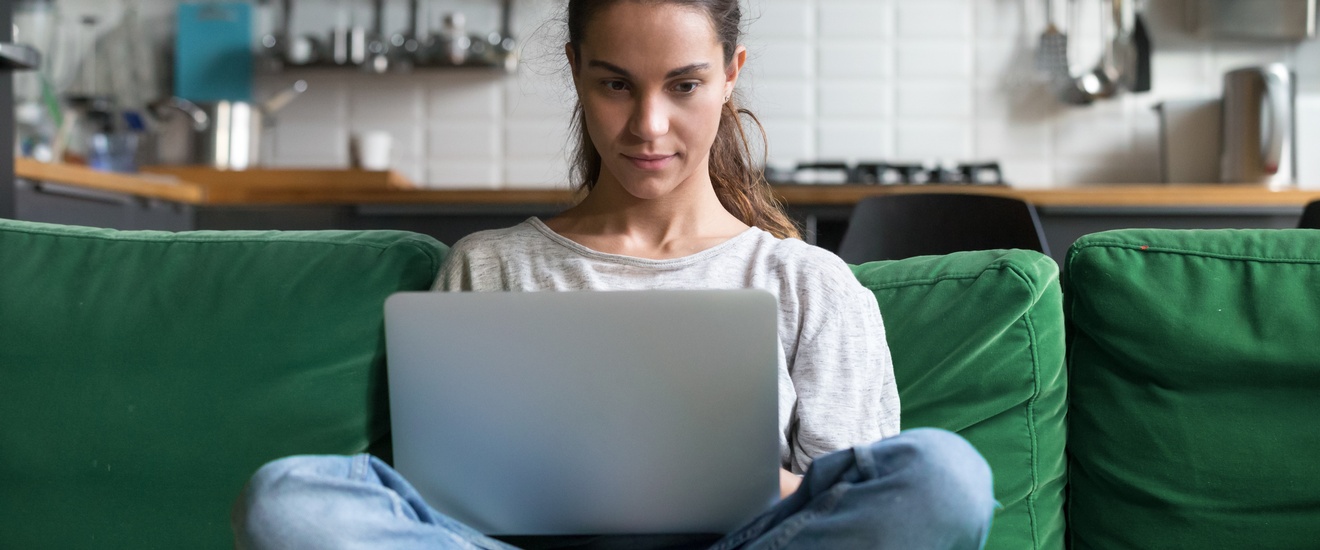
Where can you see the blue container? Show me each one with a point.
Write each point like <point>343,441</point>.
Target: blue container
<point>213,51</point>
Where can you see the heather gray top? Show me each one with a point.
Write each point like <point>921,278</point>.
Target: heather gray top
<point>836,378</point>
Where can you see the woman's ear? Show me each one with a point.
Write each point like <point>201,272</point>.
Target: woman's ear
<point>572,59</point>
<point>734,69</point>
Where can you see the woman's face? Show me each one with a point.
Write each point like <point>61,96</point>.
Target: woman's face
<point>652,82</point>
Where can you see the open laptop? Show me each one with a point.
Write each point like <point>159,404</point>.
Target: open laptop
<point>563,413</point>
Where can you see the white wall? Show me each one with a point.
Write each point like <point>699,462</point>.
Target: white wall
<point>902,80</point>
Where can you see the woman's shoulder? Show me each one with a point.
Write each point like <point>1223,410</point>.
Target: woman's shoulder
<point>496,242</point>
<point>798,257</point>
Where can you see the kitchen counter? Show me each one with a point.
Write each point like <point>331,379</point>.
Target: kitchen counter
<point>191,198</point>
<point>201,186</point>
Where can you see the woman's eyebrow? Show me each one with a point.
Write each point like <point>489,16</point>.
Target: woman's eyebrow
<point>684,70</point>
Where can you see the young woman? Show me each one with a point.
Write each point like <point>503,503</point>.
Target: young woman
<point>672,200</point>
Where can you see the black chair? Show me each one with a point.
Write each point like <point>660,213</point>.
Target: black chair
<point>893,227</point>
<point>1310,216</point>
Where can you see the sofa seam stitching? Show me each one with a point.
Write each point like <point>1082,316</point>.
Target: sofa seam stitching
<point>429,252</point>
<point>1031,408</point>
<point>195,240</point>
<point>995,266</point>
<point>1217,255</point>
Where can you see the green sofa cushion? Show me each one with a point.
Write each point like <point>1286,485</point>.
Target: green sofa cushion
<point>144,376</point>
<point>1194,366</point>
<point>977,341</point>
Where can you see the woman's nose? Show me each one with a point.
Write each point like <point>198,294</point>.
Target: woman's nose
<point>650,118</point>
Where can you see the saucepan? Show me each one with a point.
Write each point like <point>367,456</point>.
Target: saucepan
<point>226,135</point>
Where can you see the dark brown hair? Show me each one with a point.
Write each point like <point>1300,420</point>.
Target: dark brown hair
<point>739,184</point>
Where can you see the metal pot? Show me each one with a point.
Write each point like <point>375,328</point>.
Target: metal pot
<point>226,135</point>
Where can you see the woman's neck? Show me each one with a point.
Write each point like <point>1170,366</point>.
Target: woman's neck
<point>684,221</point>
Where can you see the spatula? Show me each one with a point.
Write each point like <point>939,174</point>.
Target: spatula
<point>1052,53</point>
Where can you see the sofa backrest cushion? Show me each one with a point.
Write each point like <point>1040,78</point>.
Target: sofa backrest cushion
<point>144,376</point>
<point>977,342</point>
<point>1194,382</point>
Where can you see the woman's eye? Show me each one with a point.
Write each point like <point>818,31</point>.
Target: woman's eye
<point>615,86</point>
<point>686,87</point>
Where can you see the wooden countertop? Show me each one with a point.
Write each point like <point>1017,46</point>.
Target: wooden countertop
<point>203,186</point>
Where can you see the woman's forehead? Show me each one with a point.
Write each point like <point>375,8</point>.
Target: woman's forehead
<point>651,37</point>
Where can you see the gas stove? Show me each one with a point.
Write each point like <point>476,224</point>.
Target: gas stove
<point>888,173</point>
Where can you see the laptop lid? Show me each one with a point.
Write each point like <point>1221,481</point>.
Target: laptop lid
<point>557,413</point>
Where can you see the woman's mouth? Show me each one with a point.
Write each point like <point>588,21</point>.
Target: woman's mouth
<point>650,162</point>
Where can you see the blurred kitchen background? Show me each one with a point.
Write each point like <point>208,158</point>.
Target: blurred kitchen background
<point>928,82</point>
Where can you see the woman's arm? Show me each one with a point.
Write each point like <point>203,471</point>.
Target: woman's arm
<point>788,483</point>
<point>842,372</point>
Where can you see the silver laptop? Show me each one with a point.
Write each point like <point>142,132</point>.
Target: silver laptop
<point>560,413</point>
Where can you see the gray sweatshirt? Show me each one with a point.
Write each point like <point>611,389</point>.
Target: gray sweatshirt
<point>836,378</point>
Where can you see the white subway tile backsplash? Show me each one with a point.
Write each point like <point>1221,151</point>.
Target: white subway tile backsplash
<point>388,101</point>
<point>545,138</point>
<point>310,140</point>
<point>780,19</point>
<point>857,139</point>
<point>1009,19</point>
<point>931,140</point>
<point>1023,101</point>
<point>995,59</point>
<point>951,59</point>
<point>926,19</point>
<point>1307,64</point>
<point>547,173</point>
<point>1308,140</point>
<point>325,101</point>
<point>464,94</point>
<point>460,174</point>
<point>471,141</point>
<point>1026,174</point>
<point>855,59</point>
<point>905,80</point>
<point>851,19</point>
<point>950,99</point>
<point>1090,137</point>
<point>1000,140</point>
<point>789,141</point>
<point>841,98</point>
<point>781,58</point>
<point>529,95</point>
<point>781,98</point>
<point>1145,152</point>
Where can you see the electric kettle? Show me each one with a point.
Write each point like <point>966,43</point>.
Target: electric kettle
<point>1258,131</point>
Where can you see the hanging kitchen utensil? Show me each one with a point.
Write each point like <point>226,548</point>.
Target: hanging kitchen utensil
<point>1107,78</point>
<point>1103,81</point>
<point>1141,50</point>
<point>1052,52</point>
<point>1071,89</point>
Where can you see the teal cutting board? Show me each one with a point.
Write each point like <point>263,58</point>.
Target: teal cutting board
<point>213,51</point>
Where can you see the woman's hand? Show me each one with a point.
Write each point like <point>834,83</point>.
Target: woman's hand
<point>788,482</point>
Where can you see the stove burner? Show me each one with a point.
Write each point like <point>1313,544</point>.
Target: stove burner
<point>885,173</point>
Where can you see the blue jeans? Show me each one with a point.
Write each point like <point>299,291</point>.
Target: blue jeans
<point>923,489</point>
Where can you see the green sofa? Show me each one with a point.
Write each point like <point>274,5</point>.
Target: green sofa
<point>1161,397</point>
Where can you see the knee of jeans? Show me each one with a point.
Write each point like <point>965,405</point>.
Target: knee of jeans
<point>950,468</point>
<point>277,493</point>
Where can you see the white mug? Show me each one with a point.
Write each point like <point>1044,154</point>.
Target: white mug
<point>373,149</point>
